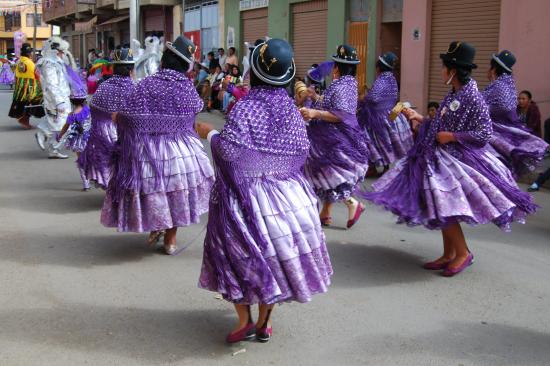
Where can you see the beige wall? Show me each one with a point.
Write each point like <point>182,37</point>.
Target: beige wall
<point>525,30</point>
<point>414,53</point>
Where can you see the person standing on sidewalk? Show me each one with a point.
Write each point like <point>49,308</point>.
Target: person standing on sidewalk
<point>27,94</point>
<point>264,243</point>
<point>57,91</point>
<point>162,177</point>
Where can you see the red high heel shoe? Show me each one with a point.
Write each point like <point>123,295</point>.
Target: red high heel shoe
<point>358,211</point>
<point>247,333</point>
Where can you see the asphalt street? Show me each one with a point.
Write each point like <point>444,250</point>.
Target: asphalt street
<point>75,293</point>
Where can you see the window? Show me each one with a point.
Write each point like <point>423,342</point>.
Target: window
<point>39,22</point>
<point>13,22</point>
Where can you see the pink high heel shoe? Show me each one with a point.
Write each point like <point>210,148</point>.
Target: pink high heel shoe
<point>247,333</point>
<point>358,211</point>
<point>450,272</point>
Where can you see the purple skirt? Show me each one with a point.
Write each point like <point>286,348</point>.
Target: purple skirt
<point>336,163</point>
<point>96,158</point>
<point>390,140</point>
<point>445,190</point>
<point>293,266</point>
<point>180,199</point>
<point>521,151</point>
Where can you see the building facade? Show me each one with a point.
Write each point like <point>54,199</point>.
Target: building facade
<point>104,24</point>
<point>490,25</point>
<point>316,27</point>
<point>22,19</point>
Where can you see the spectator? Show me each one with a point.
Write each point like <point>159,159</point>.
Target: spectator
<point>92,56</point>
<point>540,181</point>
<point>232,58</point>
<point>529,112</point>
<point>221,57</point>
<point>432,109</point>
<point>229,83</point>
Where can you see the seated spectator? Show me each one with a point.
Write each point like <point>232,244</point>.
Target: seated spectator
<point>232,57</point>
<point>432,109</point>
<point>529,112</point>
<point>228,85</point>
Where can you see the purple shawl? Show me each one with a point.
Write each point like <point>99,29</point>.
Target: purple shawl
<point>346,137</point>
<point>501,97</point>
<point>466,115</point>
<point>377,104</point>
<point>264,138</point>
<point>161,108</point>
<point>110,96</point>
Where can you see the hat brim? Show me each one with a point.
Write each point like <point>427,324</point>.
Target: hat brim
<point>381,59</point>
<point>499,61</point>
<point>123,62</point>
<point>445,57</point>
<point>270,79</point>
<point>170,46</point>
<point>335,58</point>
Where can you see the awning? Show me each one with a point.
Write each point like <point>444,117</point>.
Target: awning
<point>115,20</point>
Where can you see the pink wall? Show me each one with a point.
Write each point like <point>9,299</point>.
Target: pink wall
<point>414,53</point>
<point>525,30</point>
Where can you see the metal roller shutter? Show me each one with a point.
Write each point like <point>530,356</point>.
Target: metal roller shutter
<point>473,21</point>
<point>309,34</point>
<point>253,25</point>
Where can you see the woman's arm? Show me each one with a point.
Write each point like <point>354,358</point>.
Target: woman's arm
<point>310,113</point>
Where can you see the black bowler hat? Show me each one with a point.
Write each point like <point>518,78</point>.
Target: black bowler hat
<point>123,56</point>
<point>460,54</point>
<point>506,59</point>
<point>388,59</point>
<point>273,62</point>
<point>346,54</point>
<point>26,48</point>
<point>183,48</point>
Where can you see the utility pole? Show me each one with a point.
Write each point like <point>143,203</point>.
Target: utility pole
<point>134,21</point>
<point>35,2</point>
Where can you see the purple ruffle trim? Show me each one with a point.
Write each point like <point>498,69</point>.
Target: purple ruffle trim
<point>521,151</point>
<point>157,211</point>
<point>444,190</point>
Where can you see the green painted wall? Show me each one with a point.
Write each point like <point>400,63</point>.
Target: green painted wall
<point>336,34</point>
<point>279,19</point>
<point>372,39</point>
<point>232,17</point>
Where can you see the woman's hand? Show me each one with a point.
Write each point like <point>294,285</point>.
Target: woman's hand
<point>308,114</point>
<point>444,137</point>
<point>203,129</point>
<point>413,115</point>
<point>312,94</point>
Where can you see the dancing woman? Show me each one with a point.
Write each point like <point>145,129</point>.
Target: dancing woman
<point>264,244</point>
<point>338,157</point>
<point>449,177</point>
<point>109,98</point>
<point>162,176</point>
<point>514,144</point>
<point>389,140</point>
